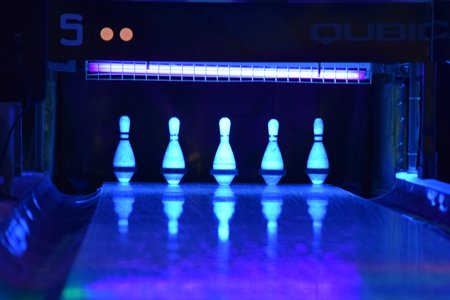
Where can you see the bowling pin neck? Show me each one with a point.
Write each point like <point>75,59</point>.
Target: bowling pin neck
<point>318,138</point>
<point>224,138</point>
<point>124,136</point>
<point>174,137</point>
<point>273,138</point>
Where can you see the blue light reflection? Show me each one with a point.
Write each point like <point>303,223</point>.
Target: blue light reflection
<point>123,206</point>
<point>272,203</point>
<point>173,200</point>
<point>223,205</point>
<point>317,202</point>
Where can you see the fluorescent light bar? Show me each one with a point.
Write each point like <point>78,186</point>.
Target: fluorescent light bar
<point>236,71</point>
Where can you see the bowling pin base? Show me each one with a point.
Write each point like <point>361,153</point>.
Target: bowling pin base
<point>173,176</point>
<point>317,176</point>
<point>124,174</point>
<point>272,177</point>
<point>224,177</point>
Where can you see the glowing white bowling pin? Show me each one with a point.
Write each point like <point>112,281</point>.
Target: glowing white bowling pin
<point>124,164</point>
<point>272,166</point>
<point>173,165</point>
<point>224,165</point>
<point>317,166</point>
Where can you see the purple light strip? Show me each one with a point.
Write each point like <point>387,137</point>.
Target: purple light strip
<point>259,71</point>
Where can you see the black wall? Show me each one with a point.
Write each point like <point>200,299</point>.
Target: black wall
<point>443,125</point>
<point>23,51</point>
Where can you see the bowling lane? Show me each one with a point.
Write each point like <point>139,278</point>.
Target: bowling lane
<point>200,241</point>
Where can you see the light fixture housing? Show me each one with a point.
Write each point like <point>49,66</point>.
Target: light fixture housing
<point>345,73</point>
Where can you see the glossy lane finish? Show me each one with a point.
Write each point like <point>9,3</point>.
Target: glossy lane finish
<point>321,243</point>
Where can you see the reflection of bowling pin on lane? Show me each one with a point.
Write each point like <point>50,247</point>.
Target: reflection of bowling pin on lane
<point>431,195</point>
<point>272,166</point>
<point>124,164</point>
<point>441,199</point>
<point>173,165</point>
<point>272,203</point>
<point>173,200</point>
<point>224,165</point>
<point>435,197</point>
<point>123,201</point>
<point>223,204</point>
<point>317,166</point>
<point>317,209</point>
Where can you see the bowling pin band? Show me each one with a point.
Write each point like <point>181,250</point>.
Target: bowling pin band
<point>317,166</point>
<point>124,164</point>
<point>173,165</point>
<point>224,165</point>
<point>272,166</point>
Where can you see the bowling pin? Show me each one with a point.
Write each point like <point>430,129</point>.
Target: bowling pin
<point>124,164</point>
<point>317,166</point>
<point>173,165</point>
<point>272,166</point>
<point>224,165</point>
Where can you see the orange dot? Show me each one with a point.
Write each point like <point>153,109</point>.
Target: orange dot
<point>106,34</point>
<point>126,34</point>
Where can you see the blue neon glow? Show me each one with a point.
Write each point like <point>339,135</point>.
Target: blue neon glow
<point>406,176</point>
<point>173,201</point>
<point>272,203</point>
<point>173,157</point>
<point>224,158</point>
<point>124,156</point>
<point>272,159</point>
<point>317,164</point>
<point>123,207</point>
<point>35,201</point>
<point>223,206</point>
<point>15,236</point>
<point>440,186</point>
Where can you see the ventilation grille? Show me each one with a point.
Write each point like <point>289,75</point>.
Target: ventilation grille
<point>333,73</point>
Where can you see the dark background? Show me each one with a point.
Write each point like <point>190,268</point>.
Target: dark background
<point>88,112</point>
<point>88,129</point>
